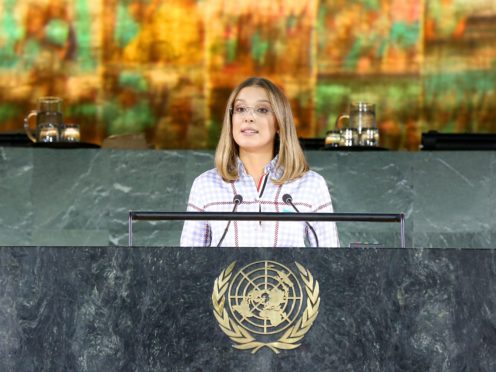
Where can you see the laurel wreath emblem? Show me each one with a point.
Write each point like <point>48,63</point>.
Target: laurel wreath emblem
<point>242,338</point>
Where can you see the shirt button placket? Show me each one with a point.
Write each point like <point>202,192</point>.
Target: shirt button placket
<point>259,223</point>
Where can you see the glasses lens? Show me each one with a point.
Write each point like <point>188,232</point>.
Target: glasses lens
<point>258,110</point>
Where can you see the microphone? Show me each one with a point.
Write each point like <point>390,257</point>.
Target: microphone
<point>287,199</point>
<point>237,200</point>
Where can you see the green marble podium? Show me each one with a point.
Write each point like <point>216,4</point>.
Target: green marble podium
<point>74,298</point>
<point>151,309</point>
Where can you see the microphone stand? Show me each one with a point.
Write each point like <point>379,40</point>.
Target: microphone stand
<point>237,201</point>
<point>286,198</point>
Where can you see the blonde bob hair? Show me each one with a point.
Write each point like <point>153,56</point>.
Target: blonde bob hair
<point>291,159</point>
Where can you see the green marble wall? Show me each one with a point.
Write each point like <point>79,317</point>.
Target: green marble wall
<point>82,197</point>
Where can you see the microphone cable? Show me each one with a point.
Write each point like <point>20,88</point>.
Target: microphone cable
<point>287,199</point>
<point>237,200</point>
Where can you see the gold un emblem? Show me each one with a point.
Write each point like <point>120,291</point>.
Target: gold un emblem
<point>261,305</point>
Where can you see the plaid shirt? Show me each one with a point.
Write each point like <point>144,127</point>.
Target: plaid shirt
<point>210,193</point>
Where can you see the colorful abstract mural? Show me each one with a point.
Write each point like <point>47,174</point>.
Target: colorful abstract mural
<point>164,69</point>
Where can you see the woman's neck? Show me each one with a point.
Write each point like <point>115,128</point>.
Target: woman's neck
<point>255,163</point>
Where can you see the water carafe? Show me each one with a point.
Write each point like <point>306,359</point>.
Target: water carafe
<point>49,120</point>
<point>362,127</point>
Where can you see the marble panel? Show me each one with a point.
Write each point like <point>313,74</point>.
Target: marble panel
<point>492,201</point>
<point>60,197</point>
<point>453,197</point>
<point>16,210</point>
<point>152,181</point>
<point>370,183</point>
<point>70,191</point>
<point>114,308</point>
<point>74,237</point>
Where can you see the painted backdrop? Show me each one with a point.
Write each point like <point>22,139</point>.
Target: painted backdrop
<point>165,68</point>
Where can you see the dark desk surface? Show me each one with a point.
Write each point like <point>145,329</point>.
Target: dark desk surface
<point>22,140</point>
<point>66,145</point>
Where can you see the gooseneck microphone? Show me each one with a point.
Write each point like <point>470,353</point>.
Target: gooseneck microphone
<point>237,200</point>
<point>287,199</point>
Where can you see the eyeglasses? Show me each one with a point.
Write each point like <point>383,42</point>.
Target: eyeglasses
<point>260,111</point>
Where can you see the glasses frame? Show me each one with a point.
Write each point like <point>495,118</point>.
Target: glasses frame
<point>252,110</point>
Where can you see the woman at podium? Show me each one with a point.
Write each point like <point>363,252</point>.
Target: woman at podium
<point>259,167</point>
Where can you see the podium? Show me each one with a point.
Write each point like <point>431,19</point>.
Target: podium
<point>152,309</point>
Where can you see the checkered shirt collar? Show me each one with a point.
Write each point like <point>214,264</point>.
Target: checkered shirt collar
<point>271,168</point>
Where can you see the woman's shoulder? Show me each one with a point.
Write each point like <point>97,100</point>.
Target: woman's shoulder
<point>209,187</point>
<point>311,188</point>
<point>311,182</point>
<point>312,177</point>
<point>209,176</point>
<point>211,179</point>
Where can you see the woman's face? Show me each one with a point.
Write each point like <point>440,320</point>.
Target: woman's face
<point>253,122</point>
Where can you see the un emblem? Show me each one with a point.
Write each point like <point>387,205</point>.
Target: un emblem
<point>262,305</point>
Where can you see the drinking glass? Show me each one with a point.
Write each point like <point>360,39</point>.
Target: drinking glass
<point>70,133</point>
